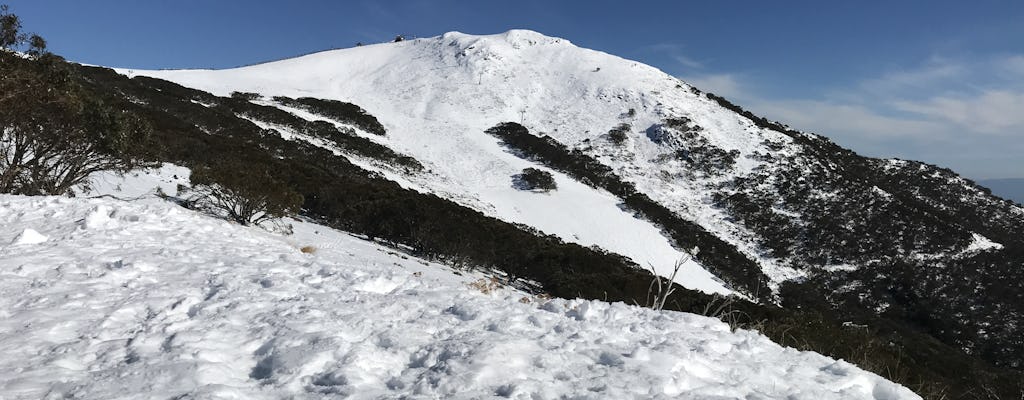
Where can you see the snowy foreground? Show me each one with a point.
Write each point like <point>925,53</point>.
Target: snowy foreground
<point>104,299</point>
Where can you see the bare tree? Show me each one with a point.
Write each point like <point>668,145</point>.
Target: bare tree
<point>662,290</point>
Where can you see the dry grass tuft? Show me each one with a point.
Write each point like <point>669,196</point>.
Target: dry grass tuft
<point>485,286</point>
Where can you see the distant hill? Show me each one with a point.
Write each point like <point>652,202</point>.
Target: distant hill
<point>1011,189</point>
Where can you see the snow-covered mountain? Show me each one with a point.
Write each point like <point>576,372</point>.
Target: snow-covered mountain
<point>437,96</point>
<point>418,143</point>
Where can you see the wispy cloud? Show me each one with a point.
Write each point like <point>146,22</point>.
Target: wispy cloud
<point>935,71</point>
<point>995,112</point>
<point>1013,65</point>
<point>687,61</point>
<point>847,120</point>
<point>675,52</point>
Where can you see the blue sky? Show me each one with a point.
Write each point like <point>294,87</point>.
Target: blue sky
<point>938,81</point>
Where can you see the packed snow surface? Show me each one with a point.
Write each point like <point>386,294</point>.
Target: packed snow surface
<point>145,299</point>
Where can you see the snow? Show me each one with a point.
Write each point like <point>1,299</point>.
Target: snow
<point>981,243</point>
<point>437,96</point>
<point>165,178</point>
<point>144,299</point>
<point>28,237</point>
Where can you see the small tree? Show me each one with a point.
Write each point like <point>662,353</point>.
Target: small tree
<point>534,179</point>
<point>10,29</point>
<point>247,194</point>
<point>53,132</point>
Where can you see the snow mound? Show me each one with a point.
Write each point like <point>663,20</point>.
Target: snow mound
<point>99,217</point>
<point>173,304</point>
<point>29,236</point>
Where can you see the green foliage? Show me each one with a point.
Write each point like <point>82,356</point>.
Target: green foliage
<point>905,225</point>
<point>722,258</point>
<point>36,45</point>
<point>534,179</point>
<point>246,193</point>
<point>54,133</point>
<point>757,120</point>
<point>344,138</point>
<point>336,110</point>
<point>10,29</point>
<point>12,38</point>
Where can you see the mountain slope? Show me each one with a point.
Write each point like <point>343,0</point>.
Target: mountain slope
<point>466,166</point>
<point>873,259</point>
<point>130,299</point>
<point>437,95</point>
<point>809,213</point>
<point>416,87</point>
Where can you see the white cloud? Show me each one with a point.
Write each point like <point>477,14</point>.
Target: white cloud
<point>1013,65</point>
<point>846,120</point>
<point>932,74</point>
<point>687,61</point>
<point>998,112</point>
<point>675,52</point>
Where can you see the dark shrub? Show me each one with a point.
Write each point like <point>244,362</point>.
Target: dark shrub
<point>534,179</point>
<point>617,135</point>
<point>245,193</point>
<point>339,111</point>
<point>722,258</point>
<point>247,96</point>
